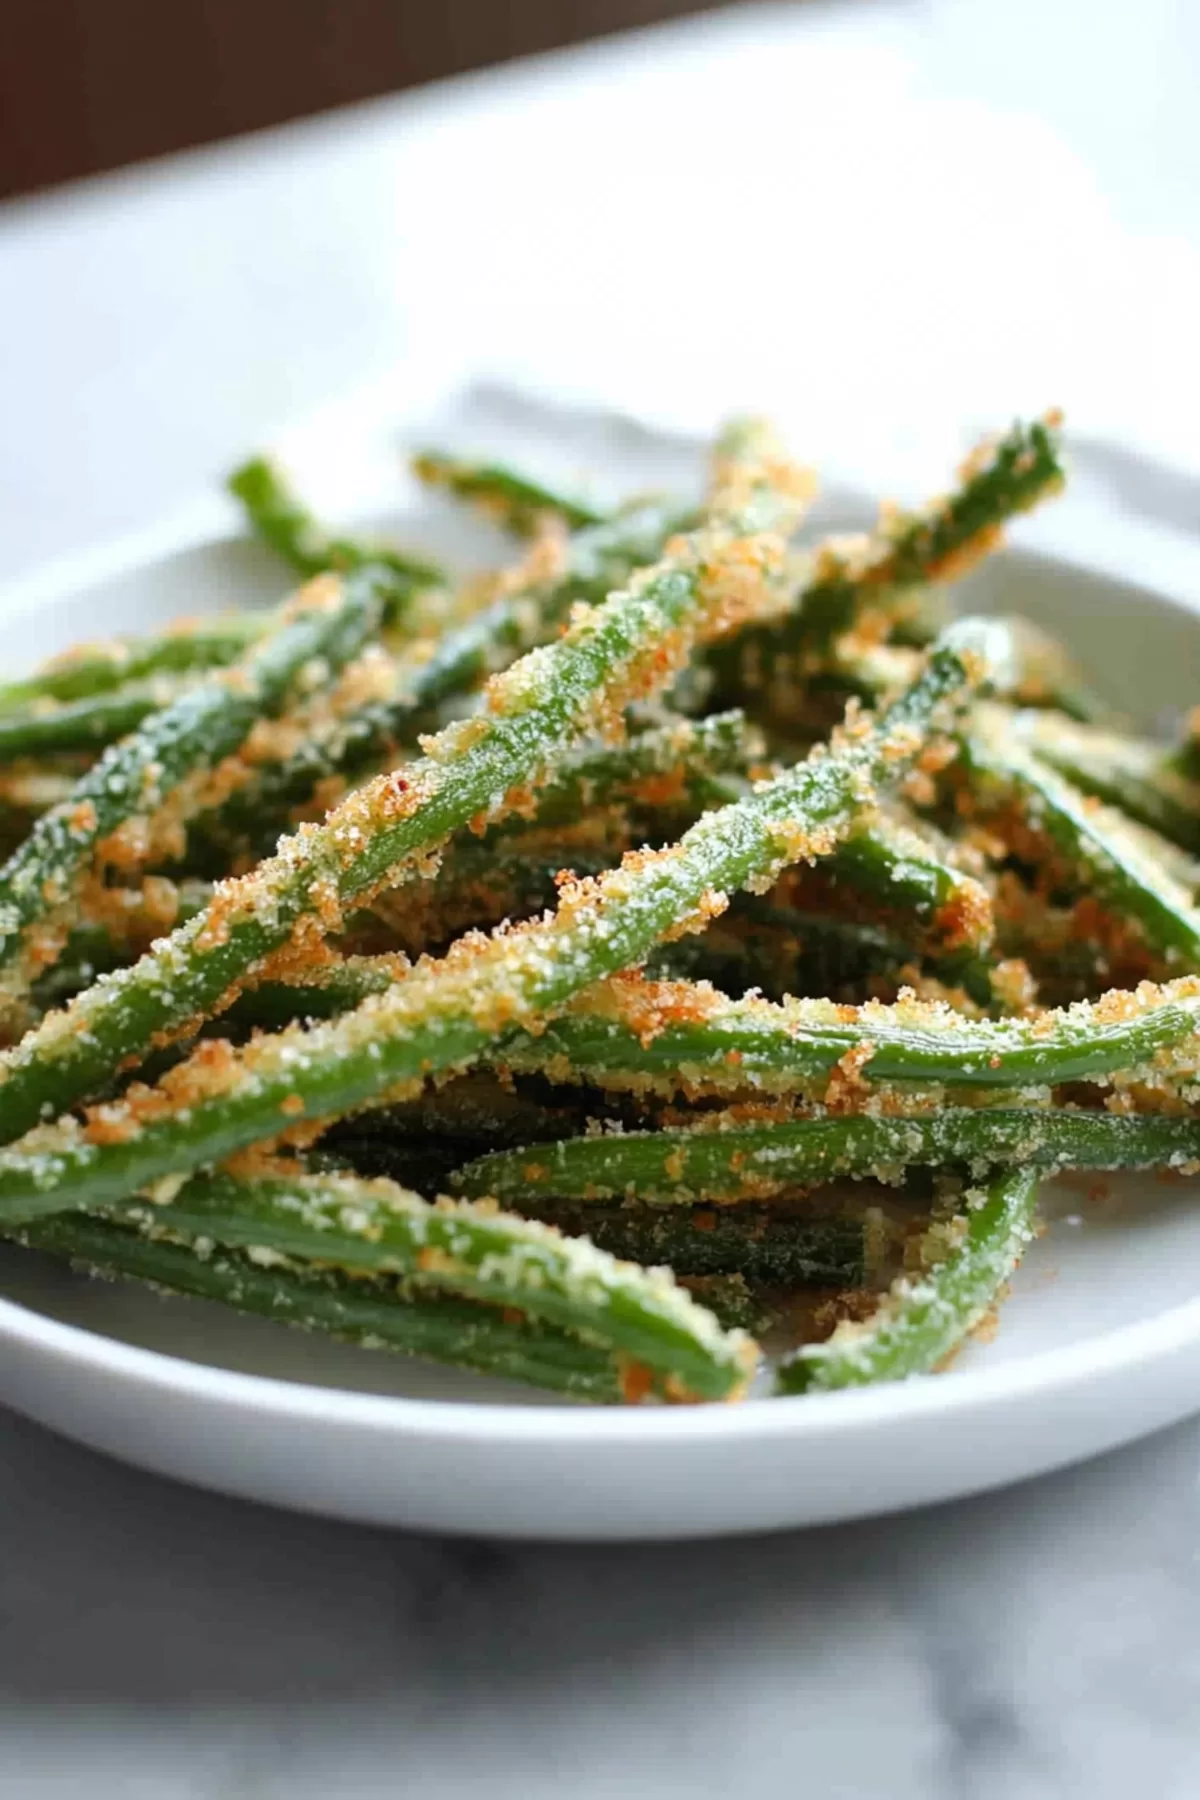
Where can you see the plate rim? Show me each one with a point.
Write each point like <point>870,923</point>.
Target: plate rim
<point>1054,1371</point>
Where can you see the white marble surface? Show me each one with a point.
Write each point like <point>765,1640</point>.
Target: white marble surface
<point>890,222</point>
<point>162,1644</point>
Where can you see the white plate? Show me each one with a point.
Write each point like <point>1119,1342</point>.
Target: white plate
<point>1099,1343</point>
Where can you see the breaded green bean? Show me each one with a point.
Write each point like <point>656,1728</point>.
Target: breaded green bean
<point>639,1316</point>
<point>327,623</point>
<point>390,830</point>
<point>89,724</point>
<point>277,515</point>
<point>88,670</point>
<point>1047,820</point>
<point>673,1036</point>
<point>926,1315</point>
<point>754,1162</point>
<point>850,579</point>
<point>377,1313</point>
<point>763,1244</point>
<point>1124,772</point>
<point>447,1014</point>
<point>513,500</point>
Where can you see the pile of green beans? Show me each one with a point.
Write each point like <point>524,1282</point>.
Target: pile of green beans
<point>543,988</point>
<point>887,574</point>
<point>179,746</point>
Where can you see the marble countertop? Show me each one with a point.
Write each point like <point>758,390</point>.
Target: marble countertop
<point>163,1644</point>
<point>952,220</point>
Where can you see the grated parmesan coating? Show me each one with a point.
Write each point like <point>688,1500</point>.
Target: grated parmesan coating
<point>733,1157</point>
<point>471,1250</point>
<point>145,784</point>
<point>964,1262</point>
<point>446,1013</point>
<point>664,1036</point>
<point>389,830</point>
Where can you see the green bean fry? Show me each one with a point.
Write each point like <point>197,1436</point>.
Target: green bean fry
<point>688,935</point>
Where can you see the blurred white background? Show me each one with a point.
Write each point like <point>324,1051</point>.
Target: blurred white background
<point>890,223</point>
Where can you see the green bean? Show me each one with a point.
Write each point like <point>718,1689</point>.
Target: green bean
<point>186,740</point>
<point>529,613</point>
<point>528,610</point>
<point>597,804</point>
<point>490,641</point>
<point>376,1313</point>
<point>1000,479</point>
<point>92,669</point>
<point>381,835</point>
<point>678,764</point>
<point>502,494</point>
<point>445,1015</point>
<point>481,884</point>
<point>753,1162</point>
<point>671,1036</point>
<point>471,1253</point>
<point>676,768</point>
<point>925,1317</point>
<point>89,724</point>
<point>847,578</point>
<point>92,948</point>
<point>521,618</point>
<point>277,516</point>
<point>1099,852</point>
<point>761,1243</point>
<point>1123,772</point>
<point>901,869</point>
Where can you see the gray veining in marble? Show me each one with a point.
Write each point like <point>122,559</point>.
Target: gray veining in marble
<point>163,1644</point>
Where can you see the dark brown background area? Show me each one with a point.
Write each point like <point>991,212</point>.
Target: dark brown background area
<point>87,85</point>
